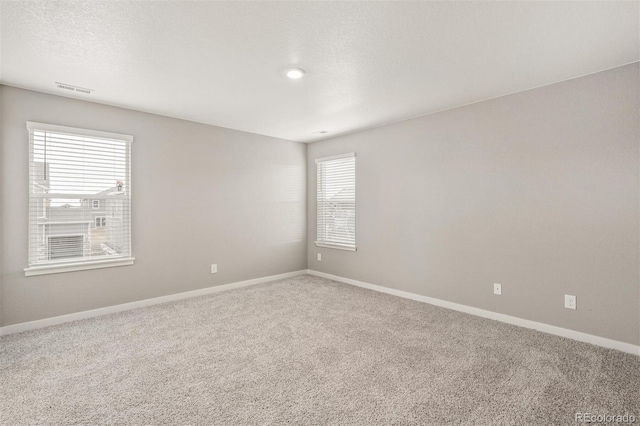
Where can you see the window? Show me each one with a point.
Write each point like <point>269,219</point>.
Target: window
<point>72,172</point>
<point>336,203</point>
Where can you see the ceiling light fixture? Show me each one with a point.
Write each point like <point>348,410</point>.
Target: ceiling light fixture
<point>295,73</point>
<point>320,132</point>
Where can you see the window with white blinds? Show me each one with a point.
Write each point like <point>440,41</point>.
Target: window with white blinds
<point>79,199</point>
<point>336,203</point>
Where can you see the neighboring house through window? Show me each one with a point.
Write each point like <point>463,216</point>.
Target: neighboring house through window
<point>336,202</point>
<point>72,173</point>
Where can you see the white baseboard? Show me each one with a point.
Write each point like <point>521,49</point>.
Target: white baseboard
<point>545,328</point>
<point>32,325</point>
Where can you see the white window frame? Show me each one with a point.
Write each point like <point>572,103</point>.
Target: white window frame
<point>319,241</point>
<point>70,266</point>
<point>95,204</point>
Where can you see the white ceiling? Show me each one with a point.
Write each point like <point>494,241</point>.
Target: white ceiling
<point>367,63</point>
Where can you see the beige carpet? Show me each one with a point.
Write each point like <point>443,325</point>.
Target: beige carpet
<point>306,350</point>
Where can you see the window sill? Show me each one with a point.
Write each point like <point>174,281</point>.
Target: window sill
<point>335,246</point>
<point>79,266</point>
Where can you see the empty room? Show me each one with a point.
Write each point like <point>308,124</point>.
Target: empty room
<point>301,212</point>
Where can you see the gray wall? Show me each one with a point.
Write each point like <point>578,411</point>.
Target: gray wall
<point>201,195</point>
<point>1,211</point>
<point>537,191</point>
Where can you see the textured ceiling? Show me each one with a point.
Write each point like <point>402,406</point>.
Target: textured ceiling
<point>367,63</point>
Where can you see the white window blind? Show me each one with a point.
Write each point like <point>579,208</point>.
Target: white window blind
<point>336,203</point>
<point>79,198</point>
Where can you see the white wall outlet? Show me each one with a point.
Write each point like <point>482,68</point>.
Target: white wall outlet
<point>497,289</point>
<point>214,268</point>
<point>569,301</point>
<point>319,257</point>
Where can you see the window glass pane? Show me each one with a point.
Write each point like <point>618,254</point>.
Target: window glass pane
<point>336,202</point>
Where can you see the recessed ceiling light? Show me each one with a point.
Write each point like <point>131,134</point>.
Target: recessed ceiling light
<point>295,73</point>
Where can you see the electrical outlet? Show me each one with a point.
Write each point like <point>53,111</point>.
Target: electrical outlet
<point>569,301</point>
<point>214,268</point>
<point>319,257</point>
<point>497,289</point>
